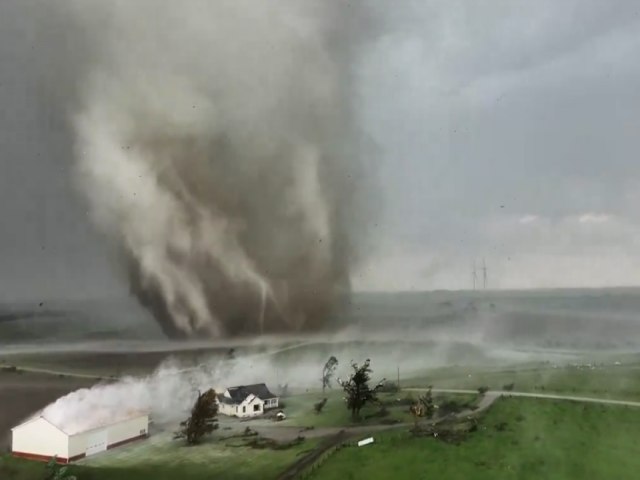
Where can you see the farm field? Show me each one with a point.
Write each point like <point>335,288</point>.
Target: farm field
<point>620,382</point>
<point>517,439</point>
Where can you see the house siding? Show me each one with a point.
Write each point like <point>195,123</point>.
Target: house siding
<point>236,409</point>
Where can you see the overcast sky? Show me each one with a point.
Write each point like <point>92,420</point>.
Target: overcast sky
<point>507,129</point>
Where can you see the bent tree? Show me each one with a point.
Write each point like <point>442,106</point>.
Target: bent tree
<point>357,389</point>
<point>328,371</point>
<point>203,419</point>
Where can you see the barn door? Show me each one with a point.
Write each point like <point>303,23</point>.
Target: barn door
<point>96,442</point>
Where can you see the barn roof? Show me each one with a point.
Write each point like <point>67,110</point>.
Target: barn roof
<point>33,418</point>
<point>260,390</point>
<point>98,420</point>
<point>102,418</point>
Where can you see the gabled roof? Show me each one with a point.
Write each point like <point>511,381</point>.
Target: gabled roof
<point>33,418</point>
<point>99,420</point>
<point>239,394</point>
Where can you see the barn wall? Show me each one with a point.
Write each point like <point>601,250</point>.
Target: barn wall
<point>77,444</point>
<point>39,438</point>
<point>130,429</point>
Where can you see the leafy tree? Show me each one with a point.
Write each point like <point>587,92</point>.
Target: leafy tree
<point>320,405</point>
<point>328,371</point>
<point>54,472</point>
<point>203,419</point>
<point>357,388</point>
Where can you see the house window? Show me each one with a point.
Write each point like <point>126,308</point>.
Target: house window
<point>244,409</point>
<point>256,407</point>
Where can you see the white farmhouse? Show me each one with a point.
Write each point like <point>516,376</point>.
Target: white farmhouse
<point>247,400</point>
<point>39,439</point>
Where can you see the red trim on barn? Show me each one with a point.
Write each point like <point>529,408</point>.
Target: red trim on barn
<point>128,440</point>
<point>77,457</point>
<point>39,458</point>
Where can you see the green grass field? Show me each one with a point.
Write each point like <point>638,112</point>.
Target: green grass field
<point>300,412</point>
<point>616,382</point>
<point>539,439</point>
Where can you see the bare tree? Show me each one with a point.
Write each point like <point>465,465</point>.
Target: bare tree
<point>328,371</point>
<point>203,419</point>
<point>357,388</point>
<point>320,405</point>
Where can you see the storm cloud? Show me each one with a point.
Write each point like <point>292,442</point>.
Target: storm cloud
<point>507,130</point>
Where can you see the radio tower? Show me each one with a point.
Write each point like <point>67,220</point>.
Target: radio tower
<point>484,274</point>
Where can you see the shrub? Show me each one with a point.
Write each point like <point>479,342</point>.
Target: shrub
<point>450,406</point>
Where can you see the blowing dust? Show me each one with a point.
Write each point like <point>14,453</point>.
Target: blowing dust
<point>217,145</point>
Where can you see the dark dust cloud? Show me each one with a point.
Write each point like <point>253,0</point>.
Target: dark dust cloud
<point>218,147</point>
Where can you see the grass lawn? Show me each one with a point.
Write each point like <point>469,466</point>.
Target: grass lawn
<point>300,412</point>
<point>160,458</point>
<point>617,382</point>
<point>538,439</point>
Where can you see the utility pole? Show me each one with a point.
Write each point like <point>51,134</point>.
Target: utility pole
<point>398,384</point>
<point>484,274</point>
<point>474,275</point>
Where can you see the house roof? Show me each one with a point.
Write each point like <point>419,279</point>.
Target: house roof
<point>238,394</point>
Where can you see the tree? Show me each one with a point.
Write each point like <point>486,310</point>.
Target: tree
<point>357,388</point>
<point>320,405</point>
<point>203,419</point>
<point>426,401</point>
<point>284,390</point>
<point>328,371</point>
<point>424,407</point>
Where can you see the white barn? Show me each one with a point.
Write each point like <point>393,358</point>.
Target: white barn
<point>39,439</point>
<point>247,401</point>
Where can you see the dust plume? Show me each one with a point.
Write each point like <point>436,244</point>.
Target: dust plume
<point>218,147</point>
